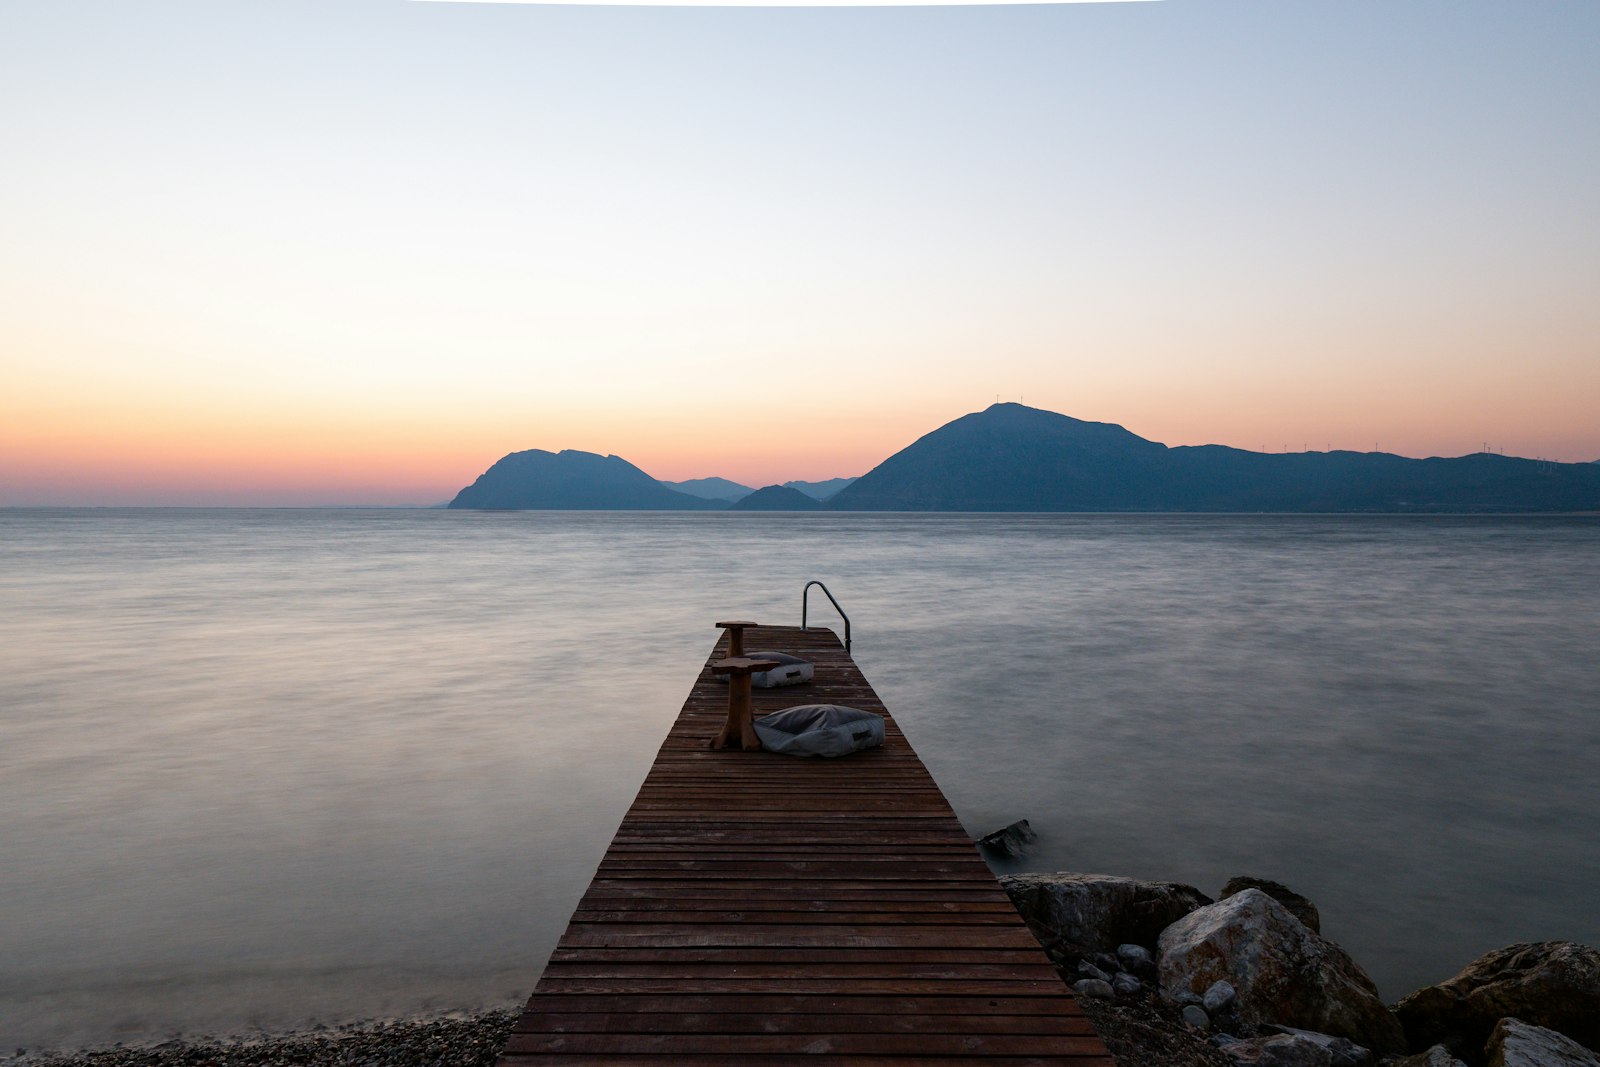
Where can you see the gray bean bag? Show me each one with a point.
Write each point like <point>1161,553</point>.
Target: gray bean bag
<point>819,730</point>
<point>791,670</point>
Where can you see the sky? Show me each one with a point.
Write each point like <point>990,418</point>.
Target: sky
<point>302,252</point>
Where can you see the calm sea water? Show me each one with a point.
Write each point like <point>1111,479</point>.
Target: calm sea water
<point>270,768</point>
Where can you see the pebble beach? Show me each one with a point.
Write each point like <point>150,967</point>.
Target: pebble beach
<point>471,1040</point>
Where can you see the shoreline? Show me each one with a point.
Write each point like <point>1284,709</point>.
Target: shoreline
<point>1143,1032</point>
<point>445,1039</point>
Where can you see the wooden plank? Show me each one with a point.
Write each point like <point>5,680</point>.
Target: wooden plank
<point>888,986</point>
<point>782,965</point>
<point>815,955</point>
<point>761,909</point>
<point>918,1044</point>
<point>827,1023</point>
<point>788,918</point>
<point>569,1059</point>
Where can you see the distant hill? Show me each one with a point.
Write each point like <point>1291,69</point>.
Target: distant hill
<point>1015,458</point>
<point>571,480</point>
<point>820,490</point>
<point>712,489</point>
<point>777,498</point>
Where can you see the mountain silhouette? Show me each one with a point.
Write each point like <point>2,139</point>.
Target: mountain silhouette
<point>777,498</point>
<point>712,489</point>
<point>820,490</point>
<point>1015,458</point>
<point>571,480</point>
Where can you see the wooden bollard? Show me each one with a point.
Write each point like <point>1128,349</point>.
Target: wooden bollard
<point>736,636</point>
<point>740,727</point>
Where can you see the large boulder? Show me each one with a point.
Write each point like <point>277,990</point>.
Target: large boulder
<point>1552,984</point>
<point>1077,915</point>
<point>1300,907</point>
<point>1516,1044</point>
<point>1281,971</point>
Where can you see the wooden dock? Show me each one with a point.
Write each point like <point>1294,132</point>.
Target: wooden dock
<point>765,909</point>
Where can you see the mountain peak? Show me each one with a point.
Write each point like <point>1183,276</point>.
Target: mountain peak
<point>570,479</point>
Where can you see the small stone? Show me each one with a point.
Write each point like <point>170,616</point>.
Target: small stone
<point>1125,984</point>
<point>1092,987</point>
<point>1134,954</point>
<point>1218,997</point>
<point>1196,1016</point>
<point>1137,960</point>
<point>1089,970</point>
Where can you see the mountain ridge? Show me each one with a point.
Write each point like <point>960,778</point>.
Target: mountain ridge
<point>1010,457</point>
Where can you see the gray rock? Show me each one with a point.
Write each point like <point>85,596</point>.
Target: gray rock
<point>1125,984</point>
<point>1196,1016</point>
<point>1346,1053</point>
<point>1278,1050</point>
<point>1092,987</point>
<point>1280,971</point>
<point>1298,906</point>
<point>1293,1051</point>
<point>1077,915</point>
<point>1137,960</point>
<point>1089,970</point>
<point>1514,1043</point>
<point>1437,1056</point>
<point>1551,984</point>
<point>1010,842</point>
<point>1217,998</point>
<point>1134,954</point>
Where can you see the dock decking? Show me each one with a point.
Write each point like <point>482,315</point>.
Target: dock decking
<point>764,909</point>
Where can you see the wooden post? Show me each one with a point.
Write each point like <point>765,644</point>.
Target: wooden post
<point>736,636</point>
<point>740,727</point>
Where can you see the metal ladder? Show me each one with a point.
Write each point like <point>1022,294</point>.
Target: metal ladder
<point>805,595</point>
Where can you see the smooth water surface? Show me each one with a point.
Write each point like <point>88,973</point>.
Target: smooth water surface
<point>265,768</point>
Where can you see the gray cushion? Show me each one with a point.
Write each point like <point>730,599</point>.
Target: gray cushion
<point>819,730</point>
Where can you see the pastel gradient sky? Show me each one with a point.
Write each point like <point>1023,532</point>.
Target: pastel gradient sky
<point>353,251</point>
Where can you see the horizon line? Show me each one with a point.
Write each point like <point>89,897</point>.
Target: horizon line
<point>790,3</point>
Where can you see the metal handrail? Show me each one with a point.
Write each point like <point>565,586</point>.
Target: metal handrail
<point>805,595</point>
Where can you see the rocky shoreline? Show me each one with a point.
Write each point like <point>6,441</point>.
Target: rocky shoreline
<point>1169,976</point>
<point>1173,978</point>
